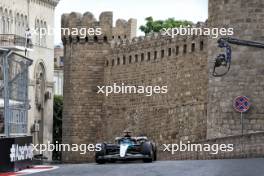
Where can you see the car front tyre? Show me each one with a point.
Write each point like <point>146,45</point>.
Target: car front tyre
<point>147,150</point>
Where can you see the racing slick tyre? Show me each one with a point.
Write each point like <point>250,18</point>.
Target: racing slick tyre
<point>102,152</point>
<point>147,150</point>
<point>154,151</point>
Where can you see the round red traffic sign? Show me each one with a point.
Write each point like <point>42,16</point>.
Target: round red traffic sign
<point>241,104</point>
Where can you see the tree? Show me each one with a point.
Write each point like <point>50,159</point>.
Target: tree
<point>156,25</point>
<point>57,124</point>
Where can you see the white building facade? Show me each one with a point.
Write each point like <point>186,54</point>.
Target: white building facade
<point>58,70</point>
<point>16,16</point>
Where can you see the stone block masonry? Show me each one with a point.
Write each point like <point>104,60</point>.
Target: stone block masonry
<point>181,65</point>
<point>246,75</point>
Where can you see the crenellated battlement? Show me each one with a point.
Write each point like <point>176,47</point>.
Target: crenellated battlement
<point>153,48</point>
<point>85,27</point>
<point>156,36</point>
<point>123,50</point>
<point>150,38</point>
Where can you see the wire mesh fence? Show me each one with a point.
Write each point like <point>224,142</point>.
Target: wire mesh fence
<point>14,103</point>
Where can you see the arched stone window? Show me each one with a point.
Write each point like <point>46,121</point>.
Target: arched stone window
<point>11,21</point>
<point>26,21</point>
<point>45,36</point>
<point>40,85</point>
<point>1,20</point>
<point>41,37</point>
<point>37,28</point>
<point>5,24</point>
<point>22,28</point>
<point>40,89</point>
<point>17,24</point>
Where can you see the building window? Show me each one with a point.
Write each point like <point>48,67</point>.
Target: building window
<point>107,63</point>
<point>45,35</point>
<point>169,52</point>
<point>184,49</point>
<point>155,55</point>
<point>148,56</point>
<point>201,45</point>
<point>113,62</point>
<point>41,43</point>
<point>118,61</point>
<point>193,47</point>
<point>105,38</point>
<point>142,57</point>
<point>162,53</point>
<point>177,50</point>
<point>3,25</point>
<point>124,60</point>
<point>130,59</point>
<point>136,58</point>
<point>37,28</point>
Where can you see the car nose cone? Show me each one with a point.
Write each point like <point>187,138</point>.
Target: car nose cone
<point>123,150</point>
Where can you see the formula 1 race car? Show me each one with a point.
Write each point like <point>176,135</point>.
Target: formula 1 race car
<point>127,148</point>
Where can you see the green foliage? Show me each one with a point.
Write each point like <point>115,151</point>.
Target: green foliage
<point>57,124</point>
<point>156,25</point>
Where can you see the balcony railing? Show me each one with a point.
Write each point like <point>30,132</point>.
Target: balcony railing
<point>12,40</point>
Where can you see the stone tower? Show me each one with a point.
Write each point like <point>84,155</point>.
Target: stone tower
<point>246,76</point>
<point>84,71</point>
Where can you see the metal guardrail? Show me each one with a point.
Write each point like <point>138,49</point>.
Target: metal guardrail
<point>12,40</point>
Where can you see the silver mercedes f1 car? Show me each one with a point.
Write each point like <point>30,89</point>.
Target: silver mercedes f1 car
<point>127,148</point>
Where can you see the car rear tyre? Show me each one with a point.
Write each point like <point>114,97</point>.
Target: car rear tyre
<point>154,152</point>
<point>100,153</point>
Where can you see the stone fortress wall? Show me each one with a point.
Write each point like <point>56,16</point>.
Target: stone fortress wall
<point>246,75</point>
<point>185,113</point>
<point>180,64</point>
<point>153,61</point>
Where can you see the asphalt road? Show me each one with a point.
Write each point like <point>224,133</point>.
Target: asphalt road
<point>240,167</point>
